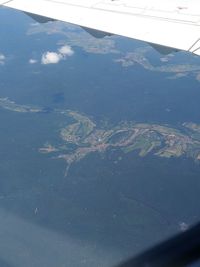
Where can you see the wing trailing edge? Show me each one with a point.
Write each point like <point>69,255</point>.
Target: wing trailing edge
<point>173,24</point>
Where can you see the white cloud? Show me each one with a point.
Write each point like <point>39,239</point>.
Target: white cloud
<point>32,61</point>
<point>51,58</point>
<point>66,50</point>
<point>183,226</point>
<point>56,57</point>
<point>2,59</point>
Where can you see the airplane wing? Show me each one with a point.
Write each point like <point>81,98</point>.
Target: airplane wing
<point>169,23</point>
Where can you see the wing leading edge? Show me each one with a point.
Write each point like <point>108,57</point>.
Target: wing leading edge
<point>170,23</point>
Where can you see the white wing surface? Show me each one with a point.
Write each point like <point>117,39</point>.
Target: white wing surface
<point>170,23</point>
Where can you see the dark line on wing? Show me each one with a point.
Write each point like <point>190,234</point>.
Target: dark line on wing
<point>190,49</point>
<point>195,50</point>
<point>6,2</point>
<point>94,7</point>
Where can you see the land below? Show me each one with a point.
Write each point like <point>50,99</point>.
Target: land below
<point>82,137</point>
